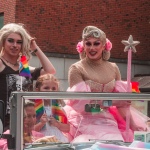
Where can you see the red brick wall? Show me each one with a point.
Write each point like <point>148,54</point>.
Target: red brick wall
<point>58,24</point>
<point>8,8</point>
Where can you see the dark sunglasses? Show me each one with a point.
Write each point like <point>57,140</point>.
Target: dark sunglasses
<point>94,44</point>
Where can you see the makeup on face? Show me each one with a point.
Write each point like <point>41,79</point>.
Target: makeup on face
<point>96,43</point>
<point>12,41</point>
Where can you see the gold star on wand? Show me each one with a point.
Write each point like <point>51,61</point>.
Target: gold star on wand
<point>130,44</point>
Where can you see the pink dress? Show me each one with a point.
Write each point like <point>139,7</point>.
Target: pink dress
<point>98,76</point>
<point>84,125</point>
<point>106,125</point>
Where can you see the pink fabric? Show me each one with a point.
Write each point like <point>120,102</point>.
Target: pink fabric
<point>3,142</point>
<point>116,116</point>
<point>127,134</point>
<point>93,126</point>
<point>129,70</point>
<point>78,105</point>
<point>121,86</point>
<point>37,135</point>
<point>137,119</point>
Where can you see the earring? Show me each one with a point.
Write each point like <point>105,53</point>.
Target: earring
<point>105,55</point>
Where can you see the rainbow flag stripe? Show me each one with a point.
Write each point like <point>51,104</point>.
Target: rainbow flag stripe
<point>39,108</point>
<point>24,68</point>
<point>58,113</point>
<point>135,87</point>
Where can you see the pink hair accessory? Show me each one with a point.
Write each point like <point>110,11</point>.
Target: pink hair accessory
<point>80,47</point>
<point>108,45</point>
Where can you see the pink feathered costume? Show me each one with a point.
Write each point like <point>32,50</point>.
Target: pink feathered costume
<point>96,76</point>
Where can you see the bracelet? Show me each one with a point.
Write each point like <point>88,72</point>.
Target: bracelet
<point>35,50</point>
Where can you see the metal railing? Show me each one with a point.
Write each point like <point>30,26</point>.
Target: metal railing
<point>17,98</point>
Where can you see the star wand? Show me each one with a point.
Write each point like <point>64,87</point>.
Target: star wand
<point>129,46</point>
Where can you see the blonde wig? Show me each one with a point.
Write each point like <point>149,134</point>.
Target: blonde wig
<point>92,31</point>
<point>19,29</point>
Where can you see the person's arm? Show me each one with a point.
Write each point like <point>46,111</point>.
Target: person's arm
<point>41,124</point>
<point>74,76</point>
<point>118,74</point>
<point>61,126</point>
<point>120,103</point>
<point>46,64</point>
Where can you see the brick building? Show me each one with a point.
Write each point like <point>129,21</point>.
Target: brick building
<point>58,24</point>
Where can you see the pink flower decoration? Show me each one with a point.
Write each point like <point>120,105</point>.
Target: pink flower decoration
<point>108,45</point>
<point>80,47</point>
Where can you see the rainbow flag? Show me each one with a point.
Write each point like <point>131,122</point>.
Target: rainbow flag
<point>24,68</point>
<point>39,108</point>
<point>135,87</point>
<point>58,113</point>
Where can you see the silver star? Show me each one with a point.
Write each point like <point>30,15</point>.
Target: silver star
<point>130,44</point>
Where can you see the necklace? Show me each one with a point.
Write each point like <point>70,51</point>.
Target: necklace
<point>16,64</point>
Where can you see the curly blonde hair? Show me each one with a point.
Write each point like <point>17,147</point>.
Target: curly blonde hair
<point>92,31</point>
<point>19,29</point>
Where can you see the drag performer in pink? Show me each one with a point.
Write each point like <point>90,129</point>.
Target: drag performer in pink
<point>94,73</point>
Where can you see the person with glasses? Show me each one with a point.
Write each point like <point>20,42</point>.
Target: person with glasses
<point>15,41</point>
<point>93,73</point>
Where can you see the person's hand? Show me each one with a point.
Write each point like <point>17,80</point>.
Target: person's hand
<point>54,122</point>
<point>33,45</point>
<point>43,119</point>
<point>47,139</point>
